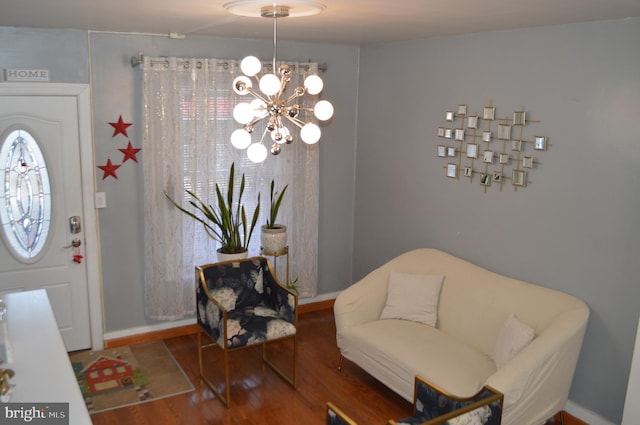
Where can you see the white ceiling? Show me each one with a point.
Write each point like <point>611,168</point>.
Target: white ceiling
<point>343,21</point>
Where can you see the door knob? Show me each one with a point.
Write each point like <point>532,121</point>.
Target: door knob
<point>74,243</point>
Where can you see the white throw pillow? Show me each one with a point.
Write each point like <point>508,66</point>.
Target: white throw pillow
<point>413,297</point>
<point>513,337</point>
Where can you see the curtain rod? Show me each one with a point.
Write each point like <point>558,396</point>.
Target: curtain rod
<point>138,60</point>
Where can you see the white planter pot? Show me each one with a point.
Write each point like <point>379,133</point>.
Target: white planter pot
<point>273,241</point>
<point>223,256</point>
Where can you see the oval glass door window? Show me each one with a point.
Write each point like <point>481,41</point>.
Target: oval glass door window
<point>25,196</point>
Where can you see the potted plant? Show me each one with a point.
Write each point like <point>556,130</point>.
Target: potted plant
<point>274,235</point>
<point>225,222</point>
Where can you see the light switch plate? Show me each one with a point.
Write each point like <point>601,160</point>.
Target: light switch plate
<point>100,200</point>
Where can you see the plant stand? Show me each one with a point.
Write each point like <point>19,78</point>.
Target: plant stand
<point>275,255</point>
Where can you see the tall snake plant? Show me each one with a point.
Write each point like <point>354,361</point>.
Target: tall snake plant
<point>227,221</point>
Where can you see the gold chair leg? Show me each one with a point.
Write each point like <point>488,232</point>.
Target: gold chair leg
<point>226,398</point>
<point>291,379</point>
<point>200,351</point>
<point>340,364</point>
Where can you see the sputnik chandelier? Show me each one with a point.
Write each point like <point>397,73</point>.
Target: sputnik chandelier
<point>277,103</point>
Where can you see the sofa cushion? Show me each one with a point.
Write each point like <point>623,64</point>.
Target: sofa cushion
<point>395,351</point>
<point>513,337</point>
<point>413,297</point>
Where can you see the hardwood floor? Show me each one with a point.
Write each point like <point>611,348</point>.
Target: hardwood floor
<point>260,397</point>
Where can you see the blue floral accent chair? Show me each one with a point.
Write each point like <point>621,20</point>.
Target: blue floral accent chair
<point>433,406</point>
<point>335,416</point>
<point>241,304</point>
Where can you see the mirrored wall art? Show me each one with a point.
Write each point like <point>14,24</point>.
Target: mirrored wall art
<point>491,147</point>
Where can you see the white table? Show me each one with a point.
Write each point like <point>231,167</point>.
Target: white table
<point>43,372</point>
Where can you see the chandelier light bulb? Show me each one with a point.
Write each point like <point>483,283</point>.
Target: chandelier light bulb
<point>310,133</point>
<point>259,108</point>
<point>257,152</point>
<point>241,85</point>
<point>243,113</point>
<point>269,84</point>
<point>240,139</point>
<point>323,110</point>
<point>313,84</point>
<point>250,66</point>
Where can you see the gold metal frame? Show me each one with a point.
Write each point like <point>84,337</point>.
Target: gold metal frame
<point>332,408</point>
<point>226,398</point>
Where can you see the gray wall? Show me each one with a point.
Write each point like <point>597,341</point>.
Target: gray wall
<point>104,61</point>
<point>574,228</point>
<point>64,53</point>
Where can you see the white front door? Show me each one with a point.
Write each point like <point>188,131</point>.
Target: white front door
<point>43,210</point>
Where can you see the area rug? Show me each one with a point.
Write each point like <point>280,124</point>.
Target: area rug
<point>128,375</point>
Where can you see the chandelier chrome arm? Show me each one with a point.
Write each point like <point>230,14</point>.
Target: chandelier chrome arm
<point>296,121</point>
<point>257,95</point>
<point>298,92</point>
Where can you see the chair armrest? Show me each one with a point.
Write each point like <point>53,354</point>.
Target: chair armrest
<point>211,313</point>
<point>433,405</point>
<point>276,295</point>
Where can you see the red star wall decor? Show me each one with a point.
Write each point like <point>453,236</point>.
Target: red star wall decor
<point>109,169</point>
<point>130,153</point>
<point>120,127</point>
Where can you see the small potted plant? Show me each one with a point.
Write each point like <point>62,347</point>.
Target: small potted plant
<point>224,222</point>
<point>274,235</point>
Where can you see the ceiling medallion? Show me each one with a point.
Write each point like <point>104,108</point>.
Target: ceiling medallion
<point>254,8</point>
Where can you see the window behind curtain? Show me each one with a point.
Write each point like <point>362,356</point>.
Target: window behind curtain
<point>188,106</point>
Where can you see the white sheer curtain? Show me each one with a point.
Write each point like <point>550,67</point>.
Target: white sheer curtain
<point>188,106</point>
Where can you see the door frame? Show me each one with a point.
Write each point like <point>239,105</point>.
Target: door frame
<point>87,169</point>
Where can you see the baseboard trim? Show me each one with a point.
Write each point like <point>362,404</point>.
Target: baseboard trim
<point>318,298</point>
<point>152,336</point>
<point>189,326</point>
<point>316,306</point>
<point>585,415</point>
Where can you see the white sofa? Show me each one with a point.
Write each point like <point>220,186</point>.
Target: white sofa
<point>457,355</point>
